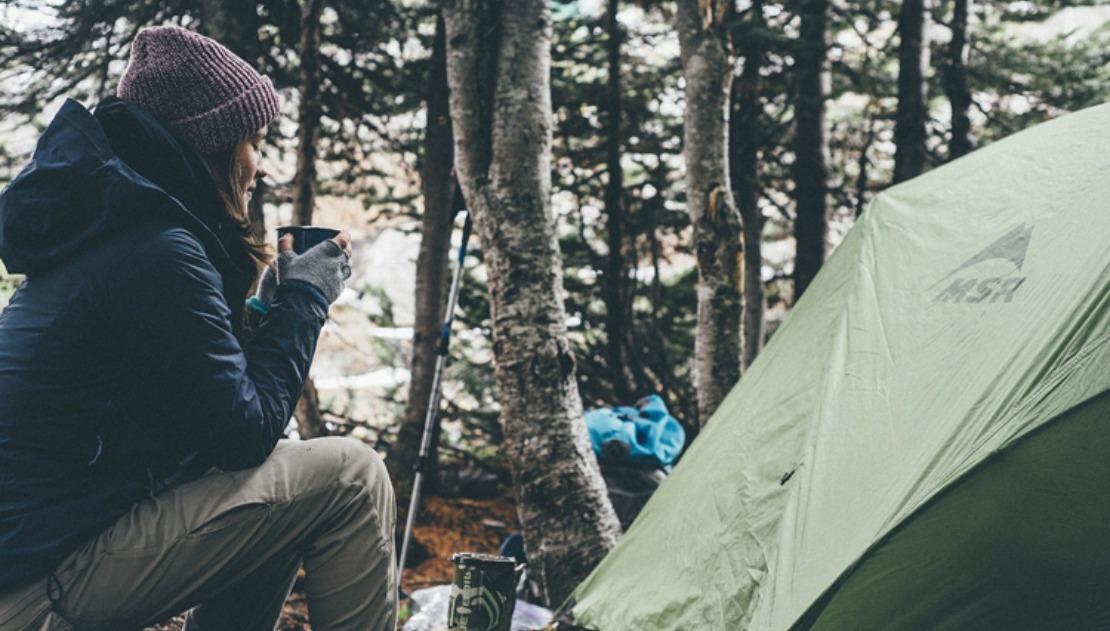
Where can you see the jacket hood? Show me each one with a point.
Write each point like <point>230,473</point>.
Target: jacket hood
<point>91,175</point>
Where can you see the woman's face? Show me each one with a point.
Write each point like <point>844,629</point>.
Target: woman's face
<point>248,165</point>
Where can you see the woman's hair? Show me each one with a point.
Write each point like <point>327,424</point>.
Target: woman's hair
<point>230,185</point>
<point>229,182</point>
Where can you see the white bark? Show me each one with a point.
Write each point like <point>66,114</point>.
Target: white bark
<point>707,65</point>
<point>498,71</point>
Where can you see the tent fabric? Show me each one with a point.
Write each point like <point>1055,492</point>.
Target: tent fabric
<point>1025,524</point>
<point>962,326</point>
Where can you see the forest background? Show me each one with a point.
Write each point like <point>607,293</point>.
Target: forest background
<point>704,158</point>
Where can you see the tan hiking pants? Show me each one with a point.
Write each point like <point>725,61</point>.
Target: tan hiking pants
<point>231,543</point>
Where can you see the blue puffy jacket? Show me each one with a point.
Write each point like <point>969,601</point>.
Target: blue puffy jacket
<point>122,371</point>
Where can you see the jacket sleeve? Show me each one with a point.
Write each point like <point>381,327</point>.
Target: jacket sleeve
<point>170,301</point>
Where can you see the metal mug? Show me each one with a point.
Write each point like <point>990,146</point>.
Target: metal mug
<point>304,237</point>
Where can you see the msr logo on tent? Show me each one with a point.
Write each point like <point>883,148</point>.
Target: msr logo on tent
<point>992,275</point>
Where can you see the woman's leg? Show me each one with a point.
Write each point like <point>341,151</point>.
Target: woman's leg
<point>255,602</point>
<point>327,501</point>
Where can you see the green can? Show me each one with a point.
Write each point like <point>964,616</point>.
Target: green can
<point>483,593</point>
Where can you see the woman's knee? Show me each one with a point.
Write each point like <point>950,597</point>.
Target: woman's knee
<point>337,459</point>
<point>358,466</point>
<point>357,462</point>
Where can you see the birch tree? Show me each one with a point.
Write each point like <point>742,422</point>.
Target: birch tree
<point>705,47</point>
<point>498,70</point>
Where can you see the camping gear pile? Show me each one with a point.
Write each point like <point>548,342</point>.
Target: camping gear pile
<point>635,446</point>
<point>924,443</point>
<point>430,612</point>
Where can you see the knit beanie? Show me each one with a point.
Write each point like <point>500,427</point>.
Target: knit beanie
<point>198,87</point>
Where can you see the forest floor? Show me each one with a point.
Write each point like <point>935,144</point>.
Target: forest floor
<point>444,526</point>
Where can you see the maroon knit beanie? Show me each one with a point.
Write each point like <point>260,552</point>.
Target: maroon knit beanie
<point>197,86</point>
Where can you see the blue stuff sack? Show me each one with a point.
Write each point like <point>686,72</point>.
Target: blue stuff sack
<point>646,434</point>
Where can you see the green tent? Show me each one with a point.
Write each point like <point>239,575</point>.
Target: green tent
<point>925,443</point>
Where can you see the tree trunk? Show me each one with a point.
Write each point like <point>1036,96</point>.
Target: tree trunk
<point>955,83</point>
<point>864,163</point>
<point>617,312</point>
<point>308,415</point>
<point>498,70</point>
<point>432,263</point>
<point>310,421</point>
<point>705,48</point>
<point>909,124</point>
<point>745,140</point>
<point>811,148</point>
<point>304,180</point>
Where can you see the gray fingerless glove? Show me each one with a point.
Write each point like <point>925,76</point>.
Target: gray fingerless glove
<point>323,266</point>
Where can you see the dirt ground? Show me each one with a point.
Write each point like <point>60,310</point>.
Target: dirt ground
<point>444,526</point>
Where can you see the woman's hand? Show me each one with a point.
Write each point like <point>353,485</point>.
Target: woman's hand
<point>325,266</point>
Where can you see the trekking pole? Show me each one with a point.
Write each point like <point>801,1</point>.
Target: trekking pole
<point>423,461</point>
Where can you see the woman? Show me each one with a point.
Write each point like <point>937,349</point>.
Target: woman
<point>141,471</point>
